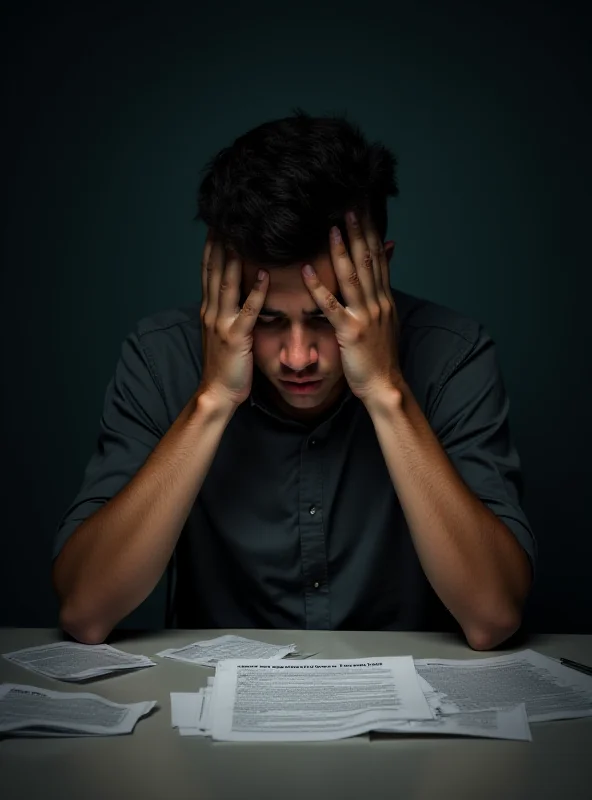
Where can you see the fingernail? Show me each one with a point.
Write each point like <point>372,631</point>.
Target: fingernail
<point>308,271</point>
<point>351,217</point>
<point>261,274</point>
<point>335,234</point>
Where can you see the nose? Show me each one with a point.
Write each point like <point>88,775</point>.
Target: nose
<point>296,352</point>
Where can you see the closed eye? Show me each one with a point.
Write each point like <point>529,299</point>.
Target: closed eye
<point>268,320</point>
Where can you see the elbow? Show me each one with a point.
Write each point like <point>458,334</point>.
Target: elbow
<point>491,635</point>
<point>84,631</point>
<point>77,621</point>
<point>495,619</point>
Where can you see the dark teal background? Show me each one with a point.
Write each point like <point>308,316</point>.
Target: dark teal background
<point>108,120</point>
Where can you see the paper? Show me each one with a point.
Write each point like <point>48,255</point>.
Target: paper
<point>548,689</point>
<point>208,653</point>
<point>494,697</point>
<point>510,723</point>
<point>430,694</point>
<point>71,661</point>
<point>314,701</point>
<point>190,711</point>
<point>32,711</point>
<point>202,726</point>
<point>186,709</point>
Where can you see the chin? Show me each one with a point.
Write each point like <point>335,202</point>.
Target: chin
<point>310,401</point>
<point>314,398</point>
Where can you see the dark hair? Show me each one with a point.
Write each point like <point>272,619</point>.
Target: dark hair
<point>275,192</point>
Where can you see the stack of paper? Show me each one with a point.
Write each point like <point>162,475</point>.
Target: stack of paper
<point>549,690</point>
<point>70,661</point>
<point>209,653</point>
<point>32,711</point>
<point>256,700</point>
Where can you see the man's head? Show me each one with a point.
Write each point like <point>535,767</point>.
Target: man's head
<point>272,196</point>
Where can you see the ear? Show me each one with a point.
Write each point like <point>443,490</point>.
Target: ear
<point>389,248</point>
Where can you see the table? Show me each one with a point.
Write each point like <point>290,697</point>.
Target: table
<point>155,762</point>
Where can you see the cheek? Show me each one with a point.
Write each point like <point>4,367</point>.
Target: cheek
<point>262,348</point>
<point>330,350</point>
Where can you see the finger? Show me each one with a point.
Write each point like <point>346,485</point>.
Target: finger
<point>251,308</point>
<point>361,256</point>
<point>379,259</point>
<point>214,268</point>
<point>326,301</point>
<point>205,257</point>
<point>347,276</point>
<point>387,273</point>
<point>230,285</point>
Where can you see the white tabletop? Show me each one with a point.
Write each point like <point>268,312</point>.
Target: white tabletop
<point>156,762</point>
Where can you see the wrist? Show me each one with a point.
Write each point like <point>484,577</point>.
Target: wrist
<point>386,399</point>
<point>214,404</point>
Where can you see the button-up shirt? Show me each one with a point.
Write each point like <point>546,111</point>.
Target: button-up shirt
<point>298,525</point>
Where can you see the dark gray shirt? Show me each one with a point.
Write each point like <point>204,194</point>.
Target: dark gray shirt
<point>298,525</point>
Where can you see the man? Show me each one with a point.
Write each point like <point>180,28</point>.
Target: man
<point>309,448</point>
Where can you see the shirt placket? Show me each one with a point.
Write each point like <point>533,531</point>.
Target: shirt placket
<point>312,537</point>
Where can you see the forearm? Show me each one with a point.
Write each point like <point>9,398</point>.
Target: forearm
<point>116,557</point>
<point>471,559</point>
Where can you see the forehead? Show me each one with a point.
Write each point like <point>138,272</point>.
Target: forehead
<point>286,284</point>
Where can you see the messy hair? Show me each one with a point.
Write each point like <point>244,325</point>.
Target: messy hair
<point>274,193</point>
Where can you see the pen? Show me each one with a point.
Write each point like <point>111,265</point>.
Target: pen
<point>576,665</point>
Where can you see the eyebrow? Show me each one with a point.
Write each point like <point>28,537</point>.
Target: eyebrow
<point>278,314</point>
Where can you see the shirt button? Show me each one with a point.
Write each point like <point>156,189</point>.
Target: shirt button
<point>312,510</point>
<point>316,584</point>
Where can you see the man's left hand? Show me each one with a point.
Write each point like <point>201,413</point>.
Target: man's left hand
<point>367,328</point>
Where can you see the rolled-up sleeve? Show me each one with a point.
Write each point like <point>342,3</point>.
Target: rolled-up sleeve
<point>470,416</point>
<point>133,421</point>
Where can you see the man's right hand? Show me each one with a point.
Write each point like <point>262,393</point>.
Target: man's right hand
<point>227,329</point>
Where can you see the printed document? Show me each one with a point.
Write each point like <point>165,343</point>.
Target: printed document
<point>208,653</point>
<point>72,661</point>
<point>508,723</point>
<point>313,701</point>
<point>190,715</point>
<point>33,711</point>
<point>548,689</point>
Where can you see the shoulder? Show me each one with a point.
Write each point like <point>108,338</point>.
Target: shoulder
<point>169,323</point>
<point>171,335</point>
<point>417,314</point>
<point>169,342</point>
<point>436,342</point>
